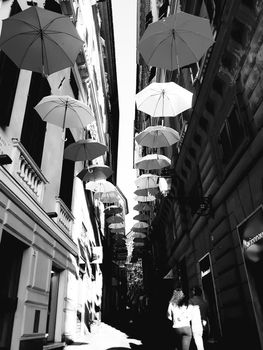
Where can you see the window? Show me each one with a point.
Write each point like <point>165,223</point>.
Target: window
<point>231,135</point>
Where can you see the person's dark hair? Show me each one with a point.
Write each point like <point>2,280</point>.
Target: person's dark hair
<point>196,290</point>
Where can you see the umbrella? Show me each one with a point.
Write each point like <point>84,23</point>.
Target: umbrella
<point>143,207</point>
<point>146,191</point>
<point>40,40</point>
<point>117,225</point>
<point>141,217</point>
<point>84,150</point>
<point>107,197</point>
<point>113,209</point>
<point>139,240</point>
<point>118,230</point>
<point>139,235</point>
<point>153,161</point>
<point>140,224</point>
<point>139,229</point>
<point>147,180</point>
<point>176,41</point>
<point>95,173</point>
<point>157,136</point>
<point>149,198</point>
<point>100,186</point>
<point>114,219</point>
<point>64,111</point>
<point>163,99</point>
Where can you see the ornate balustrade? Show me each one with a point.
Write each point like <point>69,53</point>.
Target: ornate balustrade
<point>65,218</point>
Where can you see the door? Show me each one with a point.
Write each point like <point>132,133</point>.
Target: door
<point>52,305</point>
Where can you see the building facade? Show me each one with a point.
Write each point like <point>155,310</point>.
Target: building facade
<point>50,235</point>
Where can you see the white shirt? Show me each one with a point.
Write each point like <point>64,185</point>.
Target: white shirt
<point>181,316</point>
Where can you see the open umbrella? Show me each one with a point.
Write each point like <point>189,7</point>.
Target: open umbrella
<point>146,191</point>
<point>40,40</point>
<point>118,230</point>
<point>114,219</point>
<point>157,136</point>
<point>163,99</point>
<point>107,197</point>
<point>117,225</point>
<point>176,41</point>
<point>141,217</point>
<point>95,173</point>
<point>140,224</point>
<point>147,180</point>
<point>140,229</point>
<point>153,161</point>
<point>139,235</point>
<point>143,207</point>
<point>113,209</point>
<point>149,198</point>
<point>84,150</point>
<point>64,111</point>
<point>100,186</point>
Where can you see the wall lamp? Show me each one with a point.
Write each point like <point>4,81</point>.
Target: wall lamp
<point>5,159</point>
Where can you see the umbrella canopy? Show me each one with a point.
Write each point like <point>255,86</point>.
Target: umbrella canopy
<point>113,209</point>
<point>146,191</point>
<point>163,99</point>
<point>149,198</point>
<point>176,41</point>
<point>100,186</point>
<point>140,224</point>
<point>114,219</point>
<point>107,197</point>
<point>40,40</point>
<point>139,229</point>
<point>95,173</point>
<point>147,180</point>
<point>143,207</point>
<point>157,136</point>
<point>64,111</point>
<point>139,240</point>
<point>153,161</point>
<point>139,235</point>
<point>84,150</point>
<point>141,217</point>
<point>118,230</point>
<point>117,225</point>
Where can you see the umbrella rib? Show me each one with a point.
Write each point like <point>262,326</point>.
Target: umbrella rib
<point>157,46</point>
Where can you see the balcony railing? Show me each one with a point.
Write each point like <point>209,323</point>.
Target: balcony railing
<point>26,171</point>
<point>65,218</point>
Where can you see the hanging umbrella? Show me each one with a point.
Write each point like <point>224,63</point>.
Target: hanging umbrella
<point>149,198</point>
<point>141,217</point>
<point>100,186</point>
<point>95,173</point>
<point>140,224</point>
<point>163,99</point>
<point>84,150</point>
<point>139,235</point>
<point>140,229</point>
<point>114,219</point>
<point>139,240</point>
<point>146,191</point>
<point>118,230</point>
<point>40,40</point>
<point>147,181</point>
<point>107,197</point>
<point>153,161</point>
<point>117,225</point>
<point>64,111</point>
<point>143,207</point>
<point>176,41</point>
<point>113,209</point>
<point>157,136</point>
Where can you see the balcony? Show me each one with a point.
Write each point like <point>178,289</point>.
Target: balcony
<point>65,218</point>
<point>27,173</point>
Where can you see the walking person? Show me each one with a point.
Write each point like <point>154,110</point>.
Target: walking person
<point>196,298</point>
<point>186,321</point>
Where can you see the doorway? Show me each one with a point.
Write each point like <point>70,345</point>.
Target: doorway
<point>52,304</point>
<point>11,253</point>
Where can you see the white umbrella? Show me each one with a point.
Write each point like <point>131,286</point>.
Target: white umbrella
<point>139,235</point>
<point>100,186</point>
<point>107,197</point>
<point>149,198</point>
<point>146,181</point>
<point>65,112</point>
<point>163,99</point>
<point>153,161</point>
<point>119,225</point>
<point>114,219</point>
<point>157,136</point>
<point>140,224</point>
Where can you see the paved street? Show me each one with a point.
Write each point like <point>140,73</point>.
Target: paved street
<point>106,337</point>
